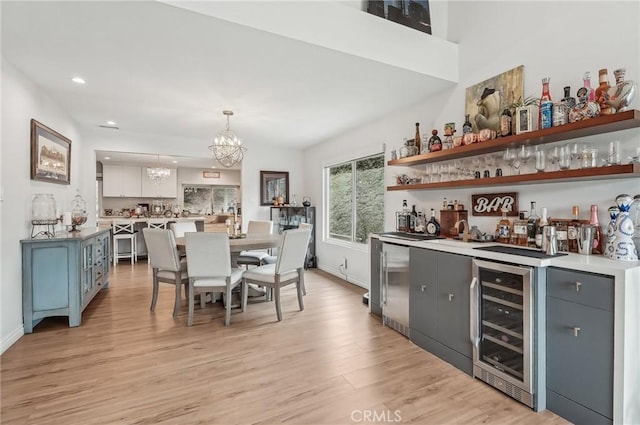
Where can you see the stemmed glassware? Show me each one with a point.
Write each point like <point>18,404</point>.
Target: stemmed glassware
<point>554,156</point>
<point>575,150</point>
<point>564,161</point>
<point>489,160</point>
<point>540,156</point>
<point>510,156</point>
<point>524,154</point>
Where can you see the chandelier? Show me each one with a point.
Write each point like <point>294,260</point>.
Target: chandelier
<point>227,149</point>
<point>158,174</point>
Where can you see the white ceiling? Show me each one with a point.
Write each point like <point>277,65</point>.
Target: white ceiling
<point>158,69</point>
<point>149,160</point>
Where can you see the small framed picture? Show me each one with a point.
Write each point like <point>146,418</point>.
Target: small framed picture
<point>526,119</point>
<point>50,155</point>
<point>211,174</point>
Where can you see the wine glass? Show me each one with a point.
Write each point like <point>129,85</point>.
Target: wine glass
<point>510,156</point>
<point>540,156</point>
<point>554,156</point>
<point>489,160</point>
<point>524,154</point>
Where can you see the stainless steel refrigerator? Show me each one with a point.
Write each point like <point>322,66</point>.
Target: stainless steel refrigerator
<point>395,287</point>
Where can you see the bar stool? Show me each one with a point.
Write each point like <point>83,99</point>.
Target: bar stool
<point>157,224</point>
<point>123,229</point>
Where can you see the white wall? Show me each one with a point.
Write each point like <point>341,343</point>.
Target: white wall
<point>22,101</point>
<point>494,40</point>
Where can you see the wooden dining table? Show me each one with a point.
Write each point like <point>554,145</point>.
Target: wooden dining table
<point>237,245</point>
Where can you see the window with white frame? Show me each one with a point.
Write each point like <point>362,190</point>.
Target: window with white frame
<point>355,199</point>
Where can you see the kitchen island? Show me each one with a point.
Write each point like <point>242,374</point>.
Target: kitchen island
<point>577,288</point>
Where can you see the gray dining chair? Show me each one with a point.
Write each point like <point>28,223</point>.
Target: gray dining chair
<point>165,261</point>
<point>288,269</point>
<point>255,258</point>
<point>209,264</point>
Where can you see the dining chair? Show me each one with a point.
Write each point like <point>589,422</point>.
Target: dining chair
<point>273,258</point>
<point>124,230</point>
<point>179,228</point>
<point>166,263</point>
<point>209,264</point>
<point>157,224</point>
<point>287,270</point>
<point>255,258</point>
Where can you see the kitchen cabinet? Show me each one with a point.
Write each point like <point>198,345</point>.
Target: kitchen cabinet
<point>61,275</point>
<point>374,287</point>
<point>121,181</point>
<point>580,346</point>
<point>285,218</point>
<point>593,126</point>
<point>165,189</point>
<point>439,305</point>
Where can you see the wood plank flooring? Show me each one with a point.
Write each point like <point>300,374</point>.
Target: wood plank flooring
<point>332,363</point>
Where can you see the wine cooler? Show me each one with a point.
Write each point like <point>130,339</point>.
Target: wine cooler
<point>501,327</point>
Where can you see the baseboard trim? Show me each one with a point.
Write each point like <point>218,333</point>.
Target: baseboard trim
<point>11,339</point>
<point>336,272</point>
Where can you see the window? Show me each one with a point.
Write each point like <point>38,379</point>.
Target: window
<point>355,199</point>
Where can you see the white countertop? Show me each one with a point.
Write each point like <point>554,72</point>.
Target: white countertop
<point>588,263</point>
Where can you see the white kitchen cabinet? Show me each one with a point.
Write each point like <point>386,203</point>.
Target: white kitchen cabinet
<point>165,189</point>
<point>121,181</point>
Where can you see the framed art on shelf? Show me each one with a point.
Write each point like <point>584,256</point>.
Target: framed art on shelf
<point>526,119</point>
<point>50,155</point>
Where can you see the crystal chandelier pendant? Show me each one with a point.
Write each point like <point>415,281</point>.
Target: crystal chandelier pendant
<point>227,149</point>
<point>158,174</point>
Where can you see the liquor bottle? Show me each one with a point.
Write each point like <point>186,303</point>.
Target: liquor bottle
<point>586,83</point>
<point>519,234</point>
<point>503,231</point>
<point>597,234</point>
<point>532,225</point>
<point>546,106</point>
<point>569,101</point>
<point>433,226</point>
<point>505,121</point>
<point>413,219</point>
<point>403,218</point>
<point>572,230</point>
<point>602,93</point>
<point>561,235</point>
<point>540,227</point>
<point>467,127</point>
<point>417,137</point>
<point>435,144</point>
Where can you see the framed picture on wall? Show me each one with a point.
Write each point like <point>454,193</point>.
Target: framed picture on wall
<point>274,187</point>
<point>50,155</point>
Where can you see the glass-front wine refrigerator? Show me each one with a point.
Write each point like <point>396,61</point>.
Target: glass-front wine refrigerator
<point>502,327</point>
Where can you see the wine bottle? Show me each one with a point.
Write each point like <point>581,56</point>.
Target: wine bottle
<point>417,138</point>
<point>505,121</point>
<point>467,127</point>
<point>433,226</point>
<point>597,233</point>
<point>413,219</point>
<point>572,230</point>
<point>532,224</point>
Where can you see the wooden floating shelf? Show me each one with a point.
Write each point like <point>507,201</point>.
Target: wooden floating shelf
<point>590,127</point>
<point>600,173</point>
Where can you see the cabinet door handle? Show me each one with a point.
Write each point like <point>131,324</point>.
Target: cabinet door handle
<point>578,285</point>
<point>576,330</point>
<point>423,288</point>
<point>450,297</point>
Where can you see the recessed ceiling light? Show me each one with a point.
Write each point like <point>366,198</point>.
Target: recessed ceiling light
<point>107,157</point>
<point>78,80</point>
<point>175,162</point>
<point>213,166</point>
<point>111,123</point>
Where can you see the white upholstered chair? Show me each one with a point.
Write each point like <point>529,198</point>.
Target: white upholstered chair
<point>287,270</point>
<point>209,264</point>
<point>166,263</point>
<point>273,258</point>
<point>124,230</point>
<point>179,228</point>
<point>255,258</point>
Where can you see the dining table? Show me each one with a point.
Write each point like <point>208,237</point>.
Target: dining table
<point>245,243</point>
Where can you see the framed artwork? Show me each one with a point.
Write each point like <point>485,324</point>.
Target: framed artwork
<point>485,101</point>
<point>414,14</point>
<point>50,155</point>
<point>211,174</point>
<point>274,184</point>
<point>526,119</point>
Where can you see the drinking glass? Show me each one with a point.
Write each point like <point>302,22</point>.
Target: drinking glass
<point>564,160</point>
<point>540,156</point>
<point>524,154</point>
<point>576,153</point>
<point>434,171</point>
<point>554,156</point>
<point>489,160</point>
<point>613,158</point>
<point>589,157</point>
<point>444,173</point>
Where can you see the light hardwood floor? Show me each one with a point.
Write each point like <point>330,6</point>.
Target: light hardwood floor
<point>332,363</point>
